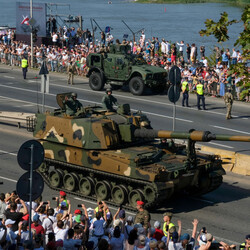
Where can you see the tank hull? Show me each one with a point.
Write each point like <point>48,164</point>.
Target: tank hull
<point>121,177</point>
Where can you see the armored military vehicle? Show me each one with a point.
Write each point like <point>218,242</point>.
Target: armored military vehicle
<point>113,156</point>
<point>118,67</point>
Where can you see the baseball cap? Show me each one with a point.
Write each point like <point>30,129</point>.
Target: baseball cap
<point>116,222</point>
<point>130,219</point>
<point>122,214</point>
<point>9,222</point>
<point>185,236</point>
<point>62,193</point>
<point>248,237</point>
<point>90,211</point>
<point>77,211</point>
<point>157,224</point>
<point>140,231</point>
<point>36,217</point>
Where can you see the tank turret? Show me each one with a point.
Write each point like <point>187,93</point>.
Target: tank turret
<point>113,156</point>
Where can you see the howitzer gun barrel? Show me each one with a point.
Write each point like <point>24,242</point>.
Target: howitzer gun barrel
<point>193,135</point>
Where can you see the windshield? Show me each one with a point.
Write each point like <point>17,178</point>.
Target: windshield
<point>138,60</point>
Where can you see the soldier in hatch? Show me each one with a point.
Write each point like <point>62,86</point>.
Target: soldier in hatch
<point>72,104</point>
<point>108,100</point>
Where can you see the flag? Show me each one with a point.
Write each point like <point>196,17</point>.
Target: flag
<point>25,20</point>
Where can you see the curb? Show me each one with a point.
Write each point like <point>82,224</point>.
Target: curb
<point>231,161</point>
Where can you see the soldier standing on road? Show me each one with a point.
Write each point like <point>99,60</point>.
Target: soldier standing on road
<point>108,100</point>
<point>143,216</point>
<point>228,98</point>
<point>185,92</point>
<point>71,71</point>
<point>24,67</point>
<point>200,95</point>
<point>72,104</point>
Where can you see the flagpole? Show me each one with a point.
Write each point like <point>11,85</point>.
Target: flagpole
<point>31,35</point>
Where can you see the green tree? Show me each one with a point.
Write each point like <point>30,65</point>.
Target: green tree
<point>220,31</point>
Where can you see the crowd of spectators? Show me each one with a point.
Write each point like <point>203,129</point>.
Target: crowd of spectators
<point>94,228</point>
<point>70,45</point>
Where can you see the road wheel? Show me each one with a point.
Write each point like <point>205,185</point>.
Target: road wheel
<point>56,178</point>
<point>119,194</point>
<point>102,190</point>
<point>96,81</point>
<point>134,196</point>
<point>136,86</point>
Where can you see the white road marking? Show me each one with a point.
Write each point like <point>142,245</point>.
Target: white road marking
<point>221,145</point>
<point>8,179</point>
<point>198,199</point>
<point>234,130</point>
<point>12,77</point>
<point>8,153</point>
<point>32,81</point>
<point>26,105</point>
<point>165,116</point>
<point>33,91</point>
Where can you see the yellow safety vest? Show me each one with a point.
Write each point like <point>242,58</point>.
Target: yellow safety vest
<point>169,226</point>
<point>24,63</point>
<point>199,89</point>
<point>184,86</point>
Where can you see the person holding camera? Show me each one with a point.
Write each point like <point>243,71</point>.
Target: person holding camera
<point>63,205</point>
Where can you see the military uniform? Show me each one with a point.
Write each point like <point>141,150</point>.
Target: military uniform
<point>72,106</point>
<point>228,98</point>
<point>71,71</point>
<point>142,217</point>
<point>108,101</point>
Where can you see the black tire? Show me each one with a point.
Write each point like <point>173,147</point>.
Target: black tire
<point>95,81</point>
<point>136,86</point>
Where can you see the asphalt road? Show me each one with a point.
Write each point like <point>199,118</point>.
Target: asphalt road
<point>224,212</point>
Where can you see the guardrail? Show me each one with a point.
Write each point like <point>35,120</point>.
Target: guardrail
<point>15,117</point>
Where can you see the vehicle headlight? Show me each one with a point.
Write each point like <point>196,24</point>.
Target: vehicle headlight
<point>149,76</point>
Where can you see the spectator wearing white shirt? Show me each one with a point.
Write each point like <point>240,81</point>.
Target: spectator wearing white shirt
<point>181,47</point>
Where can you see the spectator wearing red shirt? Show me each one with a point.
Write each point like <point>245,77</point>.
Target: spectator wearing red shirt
<point>158,232</point>
<point>39,229</point>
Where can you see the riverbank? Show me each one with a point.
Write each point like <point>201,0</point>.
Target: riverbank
<point>235,2</point>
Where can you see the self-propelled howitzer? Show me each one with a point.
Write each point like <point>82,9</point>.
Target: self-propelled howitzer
<point>113,156</point>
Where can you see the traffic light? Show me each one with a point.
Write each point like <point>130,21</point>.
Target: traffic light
<point>34,33</point>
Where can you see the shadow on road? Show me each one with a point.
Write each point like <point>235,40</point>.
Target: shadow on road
<point>184,203</point>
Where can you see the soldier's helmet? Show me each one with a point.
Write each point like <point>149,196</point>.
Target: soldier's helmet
<point>108,90</point>
<point>73,94</point>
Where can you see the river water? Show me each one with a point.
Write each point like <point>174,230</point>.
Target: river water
<point>174,22</point>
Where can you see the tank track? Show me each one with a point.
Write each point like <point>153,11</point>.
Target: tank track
<point>159,195</point>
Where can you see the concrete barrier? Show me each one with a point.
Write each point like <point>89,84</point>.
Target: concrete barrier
<point>231,161</point>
